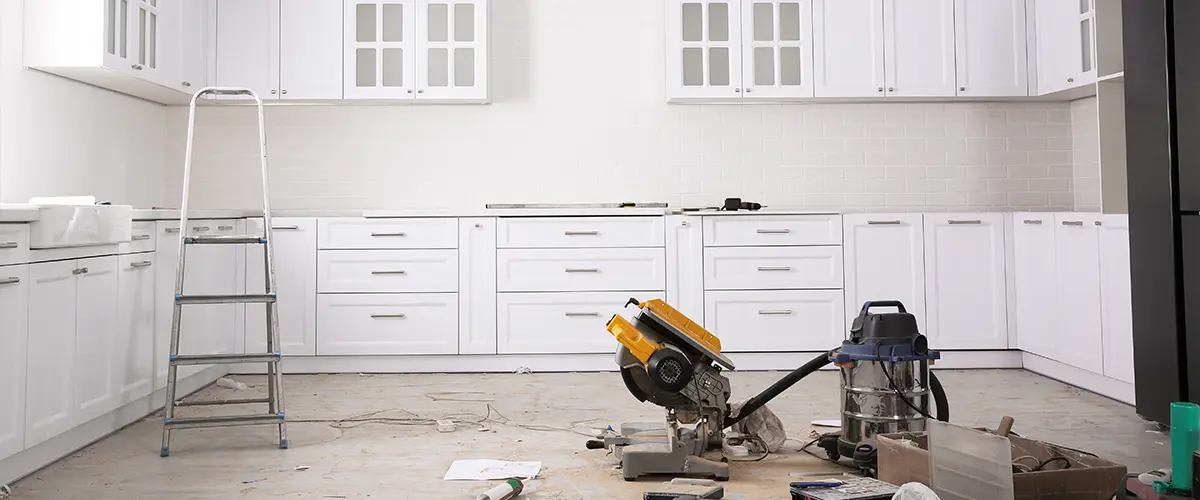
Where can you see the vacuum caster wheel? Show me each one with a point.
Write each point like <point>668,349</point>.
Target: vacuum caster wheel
<point>721,478</point>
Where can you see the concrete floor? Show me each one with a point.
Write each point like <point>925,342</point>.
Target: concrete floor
<point>408,461</point>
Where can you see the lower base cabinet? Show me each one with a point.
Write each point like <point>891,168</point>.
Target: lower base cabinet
<point>776,320</point>
<point>133,353</point>
<point>14,316</point>
<point>387,324</point>
<point>553,323</point>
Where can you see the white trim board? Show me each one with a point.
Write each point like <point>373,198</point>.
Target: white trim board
<point>1093,382</point>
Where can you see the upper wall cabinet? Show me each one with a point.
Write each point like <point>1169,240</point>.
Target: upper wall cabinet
<point>283,50</point>
<point>425,50</point>
<point>848,48</point>
<point>990,43</point>
<point>137,47</point>
<point>739,49</point>
<point>1066,49</point>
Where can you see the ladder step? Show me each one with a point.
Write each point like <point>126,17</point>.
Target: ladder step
<point>227,421</point>
<point>225,299</point>
<point>238,239</point>
<point>223,359</point>
<point>223,402</point>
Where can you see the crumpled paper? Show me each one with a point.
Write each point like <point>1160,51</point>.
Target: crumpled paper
<point>763,424</point>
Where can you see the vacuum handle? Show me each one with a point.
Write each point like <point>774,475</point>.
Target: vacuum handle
<point>881,303</point>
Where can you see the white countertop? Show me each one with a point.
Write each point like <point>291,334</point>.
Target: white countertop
<point>18,214</point>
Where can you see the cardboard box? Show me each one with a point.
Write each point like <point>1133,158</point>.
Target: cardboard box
<point>904,458</point>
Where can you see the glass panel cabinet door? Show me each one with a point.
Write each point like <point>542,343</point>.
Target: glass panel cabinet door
<point>380,39</point>
<point>118,53</point>
<point>452,50</point>
<point>147,23</point>
<point>777,48</point>
<point>705,53</point>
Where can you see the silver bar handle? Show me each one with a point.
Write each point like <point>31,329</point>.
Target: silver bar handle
<point>10,281</point>
<point>1032,222</point>
<point>8,244</point>
<point>581,233</point>
<point>172,230</point>
<point>775,312</point>
<point>377,235</point>
<point>200,229</point>
<point>576,314</point>
<point>883,222</point>
<point>774,268</point>
<point>224,228</point>
<point>381,316</point>
<point>277,228</point>
<point>965,222</point>
<point>774,231</point>
<point>582,270</point>
<point>139,265</point>
<point>1072,223</point>
<point>398,271</point>
<point>140,237</point>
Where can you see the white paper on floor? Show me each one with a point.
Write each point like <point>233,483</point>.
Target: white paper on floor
<point>484,470</point>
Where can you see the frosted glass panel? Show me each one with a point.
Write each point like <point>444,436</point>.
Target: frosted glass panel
<point>152,41</point>
<point>439,19</point>
<point>718,22</point>
<point>142,31</point>
<point>110,11</point>
<point>364,67</point>
<point>764,22</point>
<point>693,22</point>
<point>364,22</point>
<point>1083,6</point>
<point>1085,34</point>
<point>124,31</point>
<point>764,66</point>
<point>789,22</point>
<point>464,67</point>
<point>439,68</point>
<point>789,66</point>
<point>393,67</point>
<point>718,66</point>
<point>393,22</point>
<point>464,22</point>
<point>693,67</point>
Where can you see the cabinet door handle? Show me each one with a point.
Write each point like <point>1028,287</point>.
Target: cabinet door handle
<point>1032,222</point>
<point>409,91</point>
<point>1072,223</point>
<point>883,222</point>
<point>577,314</point>
<point>962,89</point>
<point>774,231</point>
<point>1070,80</point>
<point>10,281</point>
<point>172,230</point>
<point>140,237</point>
<point>582,270</point>
<point>581,233</point>
<point>891,89</point>
<point>137,67</point>
<point>273,92</point>
<point>82,270</point>
<point>382,316</point>
<point>963,222</point>
<point>397,271</point>
<point>737,90</point>
<point>1098,223</point>
<point>200,229</point>
<point>277,228</point>
<point>774,268</point>
<point>377,235</point>
<point>139,265</point>
<point>284,92</point>
<point>881,89</point>
<point>8,244</point>
<point>187,84</point>
<point>749,90</point>
<point>224,228</point>
<point>775,312</point>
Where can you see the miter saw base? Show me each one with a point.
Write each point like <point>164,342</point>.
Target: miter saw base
<point>646,448</point>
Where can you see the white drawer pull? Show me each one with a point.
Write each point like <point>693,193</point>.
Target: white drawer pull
<point>774,268</point>
<point>9,281</point>
<point>386,316</point>
<point>398,271</point>
<point>1072,223</point>
<point>277,228</point>
<point>224,228</point>
<point>576,314</point>
<point>582,270</point>
<point>200,229</point>
<point>1032,221</point>
<point>883,222</point>
<point>140,237</point>
<point>774,231</point>
<point>172,230</point>
<point>775,312</point>
<point>8,244</point>
<point>581,233</point>
<point>139,265</point>
<point>954,222</point>
<point>378,235</point>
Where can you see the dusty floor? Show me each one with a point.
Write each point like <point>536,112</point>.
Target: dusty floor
<point>395,461</point>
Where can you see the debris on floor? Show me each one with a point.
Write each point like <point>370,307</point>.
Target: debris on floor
<point>484,470</point>
<point>252,481</point>
<point>504,491</point>
<point>686,489</point>
<point>229,383</point>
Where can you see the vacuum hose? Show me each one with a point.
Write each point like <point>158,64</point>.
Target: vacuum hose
<point>939,398</point>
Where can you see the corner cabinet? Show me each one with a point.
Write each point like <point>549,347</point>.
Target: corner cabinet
<point>1066,51</point>
<point>423,50</point>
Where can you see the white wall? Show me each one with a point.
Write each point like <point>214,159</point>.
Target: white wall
<point>579,114</point>
<point>1085,155</point>
<point>60,137</point>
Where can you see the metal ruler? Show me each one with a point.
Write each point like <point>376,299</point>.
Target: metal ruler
<point>520,206</point>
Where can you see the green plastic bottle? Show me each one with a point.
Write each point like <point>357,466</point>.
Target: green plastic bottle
<point>1185,439</point>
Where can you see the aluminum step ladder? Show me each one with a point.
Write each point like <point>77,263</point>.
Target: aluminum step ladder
<point>275,410</point>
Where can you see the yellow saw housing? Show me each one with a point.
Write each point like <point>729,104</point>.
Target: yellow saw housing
<point>678,324</point>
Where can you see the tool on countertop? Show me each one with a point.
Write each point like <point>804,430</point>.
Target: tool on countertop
<point>201,235</point>
<point>686,489</point>
<point>525,206</point>
<point>852,488</point>
<point>731,205</point>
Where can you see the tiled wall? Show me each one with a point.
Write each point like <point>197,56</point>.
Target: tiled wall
<point>1085,154</point>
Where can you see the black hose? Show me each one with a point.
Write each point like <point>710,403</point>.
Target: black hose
<point>939,398</point>
<point>779,386</point>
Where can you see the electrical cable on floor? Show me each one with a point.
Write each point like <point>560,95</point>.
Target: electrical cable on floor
<point>410,418</point>
<point>888,374</point>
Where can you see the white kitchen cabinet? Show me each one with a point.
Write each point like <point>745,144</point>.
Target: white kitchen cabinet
<point>1066,51</point>
<point>580,269</point>
<point>1079,321</point>
<point>776,320</point>
<point>848,48</point>
<point>295,246</point>
<point>387,271</point>
<point>133,345</point>
<point>196,18</point>
<point>382,324</point>
<point>884,260</point>
<point>685,265</point>
<point>477,285</point>
<point>918,47</point>
<point>166,257</point>
<point>772,268</point>
<point>704,57</point>
<point>1115,297</point>
<point>416,49</point>
<point>248,45</point>
<point>96,338</point>
<point>146,29</point>
<point>558,323</point>
<point>990,48</point>
<point>1036,283</point>
<point>50,374</point>
<point>310,49</point>
<point>777,52</point>
<point>966,299</point>
<point>579,232</point>
<point>14,335</point>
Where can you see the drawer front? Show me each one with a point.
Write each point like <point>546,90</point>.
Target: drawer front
<point>357,271</point>
<point>387,324</point>
<point>773,321</point>
<point>559,323</point>
<point>580,232</point>
<point>581,270</point>
<point>772,268</point>
<point>14,244</point>
<point>772,230</point>
<point>352,233</point>
<point>215,227</point>
<point>142,240</point>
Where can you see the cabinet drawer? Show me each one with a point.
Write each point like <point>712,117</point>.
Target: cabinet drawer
<point>142,240</point>
<point>580,270</point>
<point>349,233</point>
<point>214,227</point>
<point>382,324</point>
<point>580,232</point>
<point>772,268</point>
<point>772,230</point>
<point>772,321</point>
<point>558,323</point>
<point>14,243</point>
<point>353,271</point>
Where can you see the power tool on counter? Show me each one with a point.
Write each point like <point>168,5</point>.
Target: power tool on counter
<point>671,361</point>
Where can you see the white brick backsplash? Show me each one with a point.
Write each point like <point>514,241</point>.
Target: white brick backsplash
<point>1085,154</point>
<point>1049,157</point>
<point>906,200</point>
<point>866,200</point>
<point>1006,129</point>
<point>906,172</point>
<point>968,157</point>
<point>943,172</point>
<point>1049,185</point>
<point>1029,172</point>
<point>946,199</point>
<point>825,172</point>
<point>1028,199</point>
<point>987,173</point>
<point>925,157</point>
<point>1049,129</point>
<point>987,199</point>
<point>987,144</point>
<point>844,186</point>
<point>1061,171</point>
<point>1028,144</point>
<point>1007,158</point>
<point>1007,185</point>
<point>966,185</point>
<point>885,186</point>
<point>926,185</point>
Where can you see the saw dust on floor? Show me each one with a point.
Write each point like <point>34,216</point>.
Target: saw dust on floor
<point>392,450</point>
